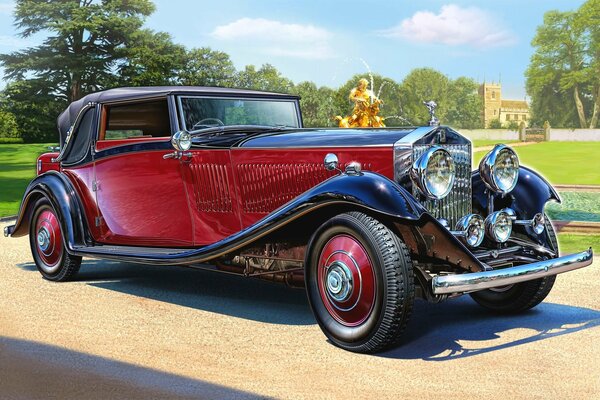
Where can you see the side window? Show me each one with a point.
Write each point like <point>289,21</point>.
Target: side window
<point>81,138</point>
<point>135,120</point>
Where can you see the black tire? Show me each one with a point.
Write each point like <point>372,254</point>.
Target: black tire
<point>521,296</point>
<point>66,265</point>
<point>393,284</point>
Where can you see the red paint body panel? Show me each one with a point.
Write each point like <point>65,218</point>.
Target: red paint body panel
<point>45,164</point>
<point>268,178</point>
<point>82,179</point>
<point>210,185</point>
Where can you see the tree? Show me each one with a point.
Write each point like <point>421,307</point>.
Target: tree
<point>152,59</point>
<point>316,104</point>
<point>87,40</point>
<point>587,20</point>
<point>495,124</point>
<point>559,63</point>
<point>424,84</point>
<point>8,125</point>
<point>207,67</point>
<point>266,78</point>
<point>464,104</point>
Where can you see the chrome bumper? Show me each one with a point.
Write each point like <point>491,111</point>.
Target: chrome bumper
<point>471,282</point>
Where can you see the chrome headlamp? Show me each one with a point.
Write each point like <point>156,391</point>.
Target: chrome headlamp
<point>499,169</point>
<point>470,229</point>
<point>498,226</point>
<point>434,173</point>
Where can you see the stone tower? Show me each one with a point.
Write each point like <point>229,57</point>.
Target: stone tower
<point>492,102</point>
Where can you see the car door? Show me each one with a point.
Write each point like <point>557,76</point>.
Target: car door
<point>141,197</point>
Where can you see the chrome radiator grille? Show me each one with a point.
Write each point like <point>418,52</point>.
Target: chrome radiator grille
<point>458,203</point>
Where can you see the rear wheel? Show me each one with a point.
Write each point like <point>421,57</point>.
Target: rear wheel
<point>360,285</point>
<point>520,296</point>
<point>47,245</point>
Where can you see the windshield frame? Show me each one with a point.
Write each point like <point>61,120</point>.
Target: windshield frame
<point>290,99</point>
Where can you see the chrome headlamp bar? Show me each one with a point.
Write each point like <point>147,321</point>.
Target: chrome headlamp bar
<point>537,223</point>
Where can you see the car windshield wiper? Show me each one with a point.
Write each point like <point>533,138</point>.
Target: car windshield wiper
<point>220,130</point>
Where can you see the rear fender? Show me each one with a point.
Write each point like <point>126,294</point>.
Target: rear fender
<point>60,193</point>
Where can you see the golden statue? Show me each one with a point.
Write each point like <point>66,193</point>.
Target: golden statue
<point>366,108</point>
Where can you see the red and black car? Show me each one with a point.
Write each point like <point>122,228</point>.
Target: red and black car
<point>365,219</point>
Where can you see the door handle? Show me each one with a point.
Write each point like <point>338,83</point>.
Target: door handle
<point>177,155</point>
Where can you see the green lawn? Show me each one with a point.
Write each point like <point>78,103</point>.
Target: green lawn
<point>572,243</point>
<point>17,168</point>
<point>575,206</point>
<point>561,162</point>
<point>482,143</point>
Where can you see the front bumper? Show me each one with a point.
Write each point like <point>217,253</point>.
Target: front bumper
<point>471,282</point>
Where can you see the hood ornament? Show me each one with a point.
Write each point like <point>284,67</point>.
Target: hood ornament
<point>431,106</point>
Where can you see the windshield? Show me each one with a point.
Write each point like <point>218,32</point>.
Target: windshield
<point>199,113</point>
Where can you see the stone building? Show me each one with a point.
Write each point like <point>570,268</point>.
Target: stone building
<point>494,107</point>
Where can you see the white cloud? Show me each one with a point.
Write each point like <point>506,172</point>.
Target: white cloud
<point>7,8</point>
<point>278,38</point>
<point>453,26</point>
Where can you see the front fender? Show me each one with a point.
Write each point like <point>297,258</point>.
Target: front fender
<point>58,190</point>
<point>528,198</point>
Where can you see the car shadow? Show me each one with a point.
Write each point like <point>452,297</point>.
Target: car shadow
<point>460,328</point>
<point>33,370</point>
<point>454,329</point>
<point>227,294</point>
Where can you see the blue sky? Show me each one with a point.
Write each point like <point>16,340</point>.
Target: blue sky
<point>323,41</point>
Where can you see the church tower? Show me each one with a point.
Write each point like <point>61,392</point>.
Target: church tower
<point>492,102</point>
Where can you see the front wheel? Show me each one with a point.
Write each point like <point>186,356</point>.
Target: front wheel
<point>47,246</point>
<point>360,284</point>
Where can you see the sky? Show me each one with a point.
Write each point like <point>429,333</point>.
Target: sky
<point>328,41</point>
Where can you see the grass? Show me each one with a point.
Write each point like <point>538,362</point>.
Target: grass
<point>486,142</point>
<point>17,169</point>
<point>572,243</point>
<point>575,163</point>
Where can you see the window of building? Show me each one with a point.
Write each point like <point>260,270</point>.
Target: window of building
<point>494,112</point>
<point>493,94</point>
<point>508,117</point>
<point>525,117</point>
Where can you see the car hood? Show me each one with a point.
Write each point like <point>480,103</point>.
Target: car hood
<point>333,137</point>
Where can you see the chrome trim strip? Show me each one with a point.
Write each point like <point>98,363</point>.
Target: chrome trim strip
<point>470,282</point>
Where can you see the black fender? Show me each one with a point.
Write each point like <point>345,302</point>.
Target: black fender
<point>55,187</point>
<point>369,192</point>
<point>528,198</point>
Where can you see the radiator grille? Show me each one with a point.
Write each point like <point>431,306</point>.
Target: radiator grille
<point>458,203</point>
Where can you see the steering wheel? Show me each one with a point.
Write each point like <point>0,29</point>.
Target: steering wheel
<point>206,123</point>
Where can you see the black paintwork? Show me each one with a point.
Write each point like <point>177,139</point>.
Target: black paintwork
<point>333,137</point>
<point>61,194</point>
<point>528,198</point>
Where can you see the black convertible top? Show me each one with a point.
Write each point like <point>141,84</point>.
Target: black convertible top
<point>67,117</point>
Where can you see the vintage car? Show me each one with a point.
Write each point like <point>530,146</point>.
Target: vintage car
<point>365,219</point>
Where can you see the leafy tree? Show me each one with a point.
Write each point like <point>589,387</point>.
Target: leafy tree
<point>559,66</point>
<point>424,84</point>
<point>152,59</point>
<point>86,41</point>
<point>35,109</point>
<point>495,124</point>
<point>266,78</point>
<point>207,67</point>
<point>464,104</point>
<point>316,104</point>
<point>8,125</point>
<point>588,21</point>
<point>512,125</point>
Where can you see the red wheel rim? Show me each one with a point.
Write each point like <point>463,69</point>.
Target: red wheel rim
<point>48,238</point>
<point>346,280</point>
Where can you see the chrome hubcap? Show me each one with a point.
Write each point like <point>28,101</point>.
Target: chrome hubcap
<point>339,281</point>
<point>43,239</point>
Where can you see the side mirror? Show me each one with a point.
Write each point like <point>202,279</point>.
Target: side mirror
<point>181,141</point>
